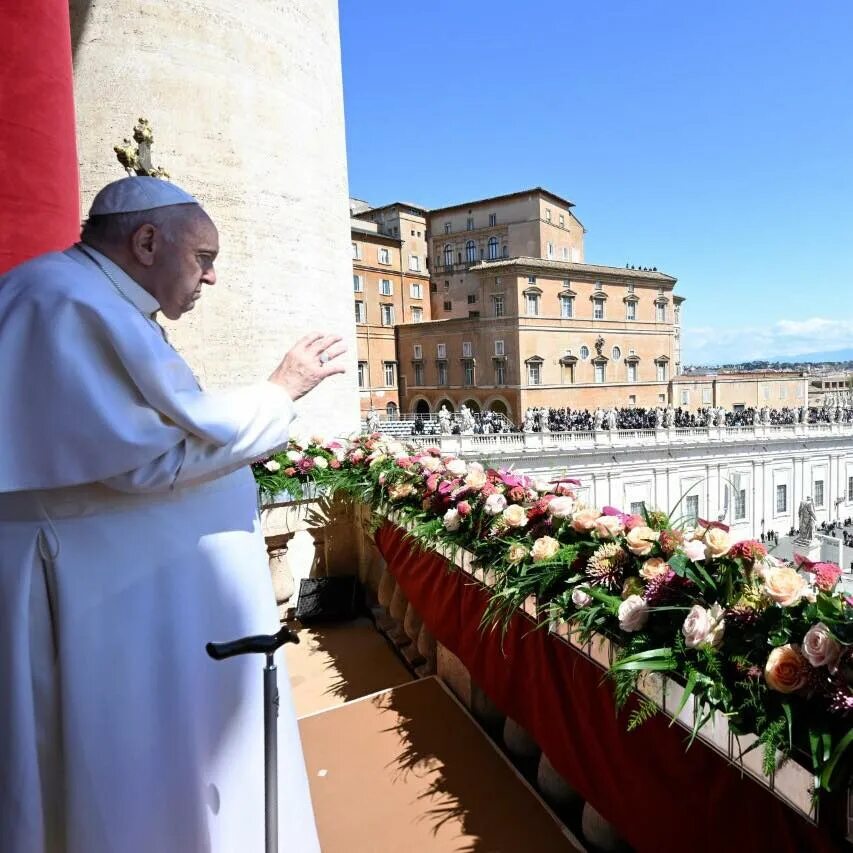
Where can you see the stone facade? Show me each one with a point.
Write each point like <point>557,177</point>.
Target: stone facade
<point>246,103</point>
<point>734,391</point>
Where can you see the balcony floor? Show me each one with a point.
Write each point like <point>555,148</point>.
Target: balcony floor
<point>397,764</point>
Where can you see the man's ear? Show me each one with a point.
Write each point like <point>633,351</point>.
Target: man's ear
<point>142,244</point>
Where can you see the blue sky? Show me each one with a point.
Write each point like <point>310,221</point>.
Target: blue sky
<point>711,140</point>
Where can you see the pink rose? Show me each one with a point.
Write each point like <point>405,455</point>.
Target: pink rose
<point>784,585</point>
<point>694,550</point>
<point>464,508</point>
<point>585,519</point>
<point>786,669</point>
<point>821,648</point>
<point>608,526</point>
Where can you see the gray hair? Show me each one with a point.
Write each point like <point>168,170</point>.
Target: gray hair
<point>114,228</point>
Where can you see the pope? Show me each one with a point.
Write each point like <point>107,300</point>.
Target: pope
<point>129,538</point>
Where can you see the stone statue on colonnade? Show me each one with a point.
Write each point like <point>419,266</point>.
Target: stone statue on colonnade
<point>807,520</point>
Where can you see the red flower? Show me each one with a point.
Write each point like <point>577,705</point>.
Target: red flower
<point>334,463</point>
<point>540,508</point>
<point>517,494</point>
<point>488,489</point>
<point>826,575</point>
<point>464,508</point>
<point>748,550</point>
<point>669,541</point>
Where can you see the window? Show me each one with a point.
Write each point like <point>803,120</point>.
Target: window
<point>660,312</point>
<point>468,364</point>
<point>417,314</point>
<point>416,290</point>
<point>433,287</point>
<point>549,250</point>
<point>448,305</point>
<point>356,252</point>
<point>419,374</point>
<point>781,498</point>
<point>414,263</point>
<point>662,398</point>
<point>493,219</point>
<point>685,397</point>
<point>383,256</point>
<point>505,251</point>
<point>630,287</point>
<point>565,253</point>
<point>472,298</point>
<point>677,315</point>
<point>661,370</point>
<point>360,314</point>
<point>597,309</point>
<point>498,302</point>
<point>532,304</point>
<point>442,373</point>
<point>362,374</point>
<point>706,396</point>
<point>441,351</point>
<point>499,350</point>
<point>500,373</point>
<point>448,255</point>
<point>818,493</point>
<point>849,489</point>
<point>616,353</point>
<point>467,349</point>
<point>493,248</point>
<point>632,400</point>
<point>630,310</point>
<point>531,279</point>
<point>357,284</point>
<point>390,370</point>
<point>584,352</point>
<point>417,351</point>
<point>691,508</point>
<point>599,373</point>
<point>632,372</point>
<point>470,252</point>
<point>387,314</point>
<point>562,221</point>
<point>473,314</point>
<point>385,287</point>
<point>470,223</point>
<point>638,508</point>
<point>391,410</point>
<point>446,227</point>
<point>547,214</point>
<point>740,504</point>
<point>534,373</point>
<point>567,306</point>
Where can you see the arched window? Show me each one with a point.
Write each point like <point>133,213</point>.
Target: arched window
<point>391,410</point>
<point>471,251</point>
<point>493,248</point>
<point>448,255</point>
<point>617,353</point>
<point>584,352</point>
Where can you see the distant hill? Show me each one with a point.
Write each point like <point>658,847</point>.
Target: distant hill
<point>841,359</point>
<point>813,357</point>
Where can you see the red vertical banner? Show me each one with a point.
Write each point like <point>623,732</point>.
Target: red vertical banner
<point>39,187</point>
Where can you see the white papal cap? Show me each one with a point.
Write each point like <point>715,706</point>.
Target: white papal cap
<point>138,193</point>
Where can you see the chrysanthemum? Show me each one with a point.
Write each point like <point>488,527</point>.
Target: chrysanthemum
<point>606,565</point>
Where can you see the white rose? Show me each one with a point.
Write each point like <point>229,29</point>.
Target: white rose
<point>495,504</point>
<point>543,486</point>
<point>339,453</point>
<point>561,507</point>
<point>476,466</point>
<point>272,465</point>
<point>703,627</point>
<point>430,463</point>
<point>580,598</point>
<point>457,467</point>
<point>820,647</point>
<point>544,548</point>
<point>451,520</point>
<point>717,543</point>
<point>515,516</point>
<point>475,479</point>
<point>321,462</point>
<point>633,613</point>
<point>694,550</point>
<point>294,455</point>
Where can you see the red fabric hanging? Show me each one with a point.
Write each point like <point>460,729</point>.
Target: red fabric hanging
<point>39,188</point>
<point>659,797</point>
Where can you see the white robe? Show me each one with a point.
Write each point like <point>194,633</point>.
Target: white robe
<point>129,538</point>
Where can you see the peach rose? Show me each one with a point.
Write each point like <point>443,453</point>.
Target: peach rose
<point>786,669</point>
<point>784,585</point>
<point>608,526</point>
<point>585,519</point>
<point>475,479</point>
<point>515,516</point>
<point>516,553</point>
<point>640,540</point>
<point>654,567</point>
<point>544,548</point>
<point>717,543</point>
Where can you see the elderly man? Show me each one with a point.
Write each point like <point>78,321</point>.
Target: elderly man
<point>129,538</point>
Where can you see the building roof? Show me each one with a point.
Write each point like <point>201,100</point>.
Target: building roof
<point>541,190</point>
<point>411,205</point>
<point>544,265</point>
<point>718,375</point>
<point>357,229</point>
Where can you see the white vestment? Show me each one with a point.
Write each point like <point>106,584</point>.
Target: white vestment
<point>129,538</point>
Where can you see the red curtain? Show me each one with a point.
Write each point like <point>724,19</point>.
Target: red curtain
<point>39,195</point>
<point>659,797</point>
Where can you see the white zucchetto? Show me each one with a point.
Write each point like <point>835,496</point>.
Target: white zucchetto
<point>128,195</point>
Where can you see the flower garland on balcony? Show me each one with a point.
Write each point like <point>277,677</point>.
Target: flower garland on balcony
<point>748,636</point>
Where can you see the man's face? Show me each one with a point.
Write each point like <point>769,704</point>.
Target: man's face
<point>185,264</point>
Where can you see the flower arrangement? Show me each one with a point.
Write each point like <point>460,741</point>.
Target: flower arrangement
<point>767,644</point>
<point>295,469</point>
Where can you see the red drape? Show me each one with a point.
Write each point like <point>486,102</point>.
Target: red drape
<point>660,797</point>
<point>39,195</point>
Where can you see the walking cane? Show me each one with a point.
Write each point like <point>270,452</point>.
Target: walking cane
<point>264,644</point>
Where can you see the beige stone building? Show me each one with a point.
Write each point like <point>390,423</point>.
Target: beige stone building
<point>735,391</point>
<point>826,388</point>
<point>390,288</point>
<point>546,333</point>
